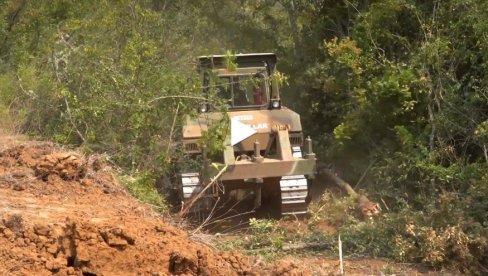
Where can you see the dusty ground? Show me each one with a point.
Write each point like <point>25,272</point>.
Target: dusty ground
<point>64,214</point>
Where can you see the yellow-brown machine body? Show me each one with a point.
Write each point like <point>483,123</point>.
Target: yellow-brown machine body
<point>265,151</point>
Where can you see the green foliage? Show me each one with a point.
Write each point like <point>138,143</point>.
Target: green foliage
<point>264,233</point>
<point>439,235</point>
<point>280,78</point>
<point>6,119</point>
<point>214,139</point>
<point>403,98</point>
<point>346,53</point>
<point>265,238</point>
<point>142,187</point>
<point>101,75</point>
<point>230,61</point>
<point>481,132</point>
<point>368,239</point>
<point>335,212</point>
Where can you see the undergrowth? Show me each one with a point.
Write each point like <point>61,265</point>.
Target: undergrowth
<point>438,236</point>
<point>141,185</point>
<point>441,235</point>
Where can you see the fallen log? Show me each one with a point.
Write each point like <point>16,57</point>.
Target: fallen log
<point>339,182</point>
<point>365,208</point>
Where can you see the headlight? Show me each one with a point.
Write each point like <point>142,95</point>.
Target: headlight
<point>275,104</point>
<point>203,108</point>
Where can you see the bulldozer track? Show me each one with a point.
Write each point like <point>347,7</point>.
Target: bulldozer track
<point>294,191</point>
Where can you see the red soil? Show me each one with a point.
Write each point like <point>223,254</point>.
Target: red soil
<point>62,213</point>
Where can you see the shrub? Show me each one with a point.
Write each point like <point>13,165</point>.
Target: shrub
<point>142,187</point>
<point>420,236</point>
<point>334,211</point>
<point>265,232</point>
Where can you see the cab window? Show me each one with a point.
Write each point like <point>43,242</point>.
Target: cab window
<point>243,90</point>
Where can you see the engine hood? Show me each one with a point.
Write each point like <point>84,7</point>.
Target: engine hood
<point>261,121</point>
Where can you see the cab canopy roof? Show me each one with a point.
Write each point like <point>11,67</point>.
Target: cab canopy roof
<point>242,60</point>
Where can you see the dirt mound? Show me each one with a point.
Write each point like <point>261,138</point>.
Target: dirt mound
<point>62,213</point>
<point>22,166</point>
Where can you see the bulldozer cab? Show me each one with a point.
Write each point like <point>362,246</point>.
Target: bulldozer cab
<point>243,89</point>
<point>248,86</point>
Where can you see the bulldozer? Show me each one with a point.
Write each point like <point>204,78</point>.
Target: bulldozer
<point>264,154</point>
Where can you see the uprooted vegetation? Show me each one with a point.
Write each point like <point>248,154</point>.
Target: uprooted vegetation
<point>438,237</point>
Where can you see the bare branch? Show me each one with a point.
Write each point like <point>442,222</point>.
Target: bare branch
<point>176,97</point>
<point>201,193</point>
<point>171,131</point>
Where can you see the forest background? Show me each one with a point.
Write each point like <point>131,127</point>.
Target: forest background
<point>394,93</point>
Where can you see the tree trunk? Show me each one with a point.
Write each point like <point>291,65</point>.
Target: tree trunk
<point>339,182</point>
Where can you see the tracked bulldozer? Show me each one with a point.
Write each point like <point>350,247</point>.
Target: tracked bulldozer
<point>264,154</point>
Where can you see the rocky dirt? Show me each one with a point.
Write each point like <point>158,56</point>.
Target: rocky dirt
<point>64,214</point>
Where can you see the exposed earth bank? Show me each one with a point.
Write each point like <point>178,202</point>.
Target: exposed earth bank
<point>63,213</point>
